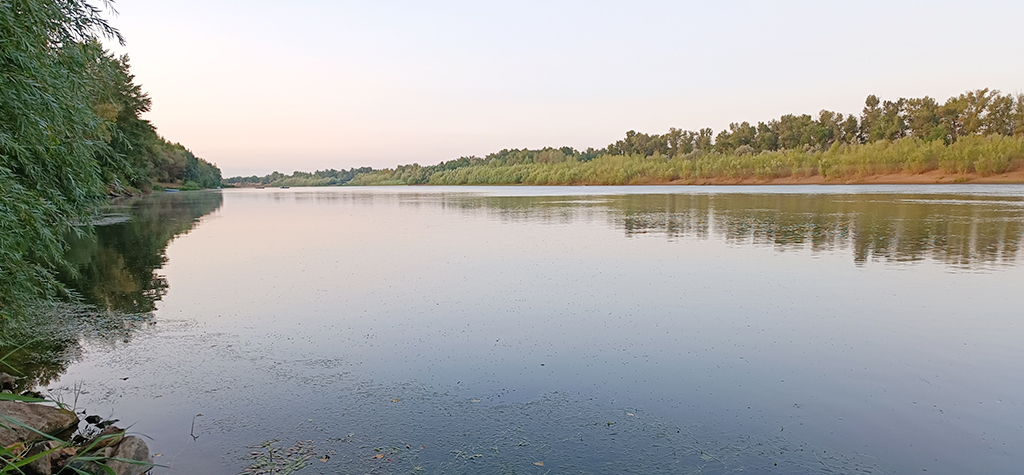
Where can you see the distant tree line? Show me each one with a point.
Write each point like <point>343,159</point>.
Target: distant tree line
<point>70,134</point>
<point>980,131</point>
<point>982,112</point>
<point>317,178</point>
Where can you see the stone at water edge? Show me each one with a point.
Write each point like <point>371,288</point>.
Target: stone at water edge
<point>45,419</point>
<point>131,448</point>
<point>42,465</point>
<point>6,382</point>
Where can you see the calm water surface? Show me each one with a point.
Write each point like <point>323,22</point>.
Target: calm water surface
<point>589,329</point>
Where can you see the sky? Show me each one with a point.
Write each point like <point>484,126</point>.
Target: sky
<point>256,86</point>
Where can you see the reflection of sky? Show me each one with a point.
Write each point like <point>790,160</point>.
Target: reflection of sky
<point>913,364</point>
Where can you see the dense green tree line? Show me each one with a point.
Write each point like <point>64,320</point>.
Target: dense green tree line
<point>70,134</point>
<point>139,157</point>
<point>985,155</point>
<point>317,178</point>
<point>980,131</point>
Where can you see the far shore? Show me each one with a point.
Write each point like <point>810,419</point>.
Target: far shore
<point>1013,177</point>
<point>930,177</point>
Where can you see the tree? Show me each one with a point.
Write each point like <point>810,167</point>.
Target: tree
<point>923,119</point>
<point>869,118</point>
<point>1018,116</point>
<point>890,124</point>
<point>120,102</point>
<point>951,118</point>
<point>767,136</point>
<point>50,138</point>
<point>1000,119</point>
<point>975,110</point>
<point>703,139</point>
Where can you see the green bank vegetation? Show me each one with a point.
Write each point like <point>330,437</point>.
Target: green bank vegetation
<point>70,135</point>
<point>984,155</point>
<point>979,132</point>
<point>318,178</point>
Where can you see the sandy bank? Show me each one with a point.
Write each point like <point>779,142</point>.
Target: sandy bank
<point>931,177</point>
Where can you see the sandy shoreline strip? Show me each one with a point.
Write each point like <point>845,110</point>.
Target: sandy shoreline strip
<point>931,177</point>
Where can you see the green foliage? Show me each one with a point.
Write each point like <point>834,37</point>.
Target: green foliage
<point>50,138</point>
<point>199,172</point>
<point>979,131</point>
<point>317,178</point>
<point>87,460</point>
<point>138,155</point>
<point>984,155</point>
<point>70,133</point>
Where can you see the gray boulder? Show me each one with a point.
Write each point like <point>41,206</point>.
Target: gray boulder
<point>131,448</point>
<point>6,382</point>
<point>45,419</point>
<point>43,464</point>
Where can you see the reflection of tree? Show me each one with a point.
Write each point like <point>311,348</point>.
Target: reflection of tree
<point>954,229</point>
<point>957,230</point>
<point>38,347</point>
<point>116,278</point>
<point>117,264</point>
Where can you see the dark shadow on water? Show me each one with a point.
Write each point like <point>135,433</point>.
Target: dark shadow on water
<point>117,282</point>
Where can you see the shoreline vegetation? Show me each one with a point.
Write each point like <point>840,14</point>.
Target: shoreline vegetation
<point>976,137</point>
<point>977,160</point>
<point>71,136</point>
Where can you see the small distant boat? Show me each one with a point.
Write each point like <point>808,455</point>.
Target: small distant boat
<point>171,190</point>
<point>284,187</point>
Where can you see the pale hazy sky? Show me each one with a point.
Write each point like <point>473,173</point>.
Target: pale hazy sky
<point>256,86</point>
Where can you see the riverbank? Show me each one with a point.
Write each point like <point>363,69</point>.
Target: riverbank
<point>926,178</point>
<point>40,437</point>
<point>934,177</point>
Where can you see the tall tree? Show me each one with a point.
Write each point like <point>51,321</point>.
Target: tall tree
<point>869,118</point>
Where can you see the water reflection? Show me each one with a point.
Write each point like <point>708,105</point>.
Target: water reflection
<point>957,230</point>
<point>117,264</point>
<point>116,280</point>
<point>581,329</point>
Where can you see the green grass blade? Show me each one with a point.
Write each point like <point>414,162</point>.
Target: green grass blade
<point>15,397</point>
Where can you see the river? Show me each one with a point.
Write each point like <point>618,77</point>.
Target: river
<point>534,330</point>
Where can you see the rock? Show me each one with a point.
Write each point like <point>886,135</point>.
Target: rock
<point>42,465</point>
<point>6,382</point>
<point>46,419</point>
<point>131,448</point>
